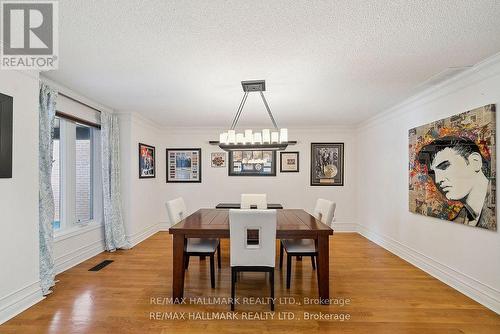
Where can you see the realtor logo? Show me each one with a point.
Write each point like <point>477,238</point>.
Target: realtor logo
<point>29,35</point>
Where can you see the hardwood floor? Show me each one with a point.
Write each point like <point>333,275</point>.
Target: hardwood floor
<point>387,295</point>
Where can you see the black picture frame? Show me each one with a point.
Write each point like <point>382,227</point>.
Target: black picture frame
<point>232,168</point>
<point>6,133</point>
<point>330,157</point>
<point>297,154</point>
<point>172,166</point>
<point>143,174</point>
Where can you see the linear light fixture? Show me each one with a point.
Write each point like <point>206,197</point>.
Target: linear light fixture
<point>275,139</point>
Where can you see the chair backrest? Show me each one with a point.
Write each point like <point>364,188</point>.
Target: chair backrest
<point>176,209</point>
<point>256,224</point>
<point>260,200</point>
<point>325,210</point>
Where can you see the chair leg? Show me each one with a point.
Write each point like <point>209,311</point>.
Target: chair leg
<point>186,261</point>
<point>272,289</point>
<point>313,262</point>
<point>218,257</point>
<point>212,270</point>
<point>233,282</point>
<point>281,254</point>
<point>288,270</point>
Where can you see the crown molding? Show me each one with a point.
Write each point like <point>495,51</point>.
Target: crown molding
<point>457,82</point>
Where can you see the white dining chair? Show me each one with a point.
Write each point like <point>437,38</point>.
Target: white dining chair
<point>257,200</point>
<point>324,211</point>
<point>200,247</point>
<point>252,245</point>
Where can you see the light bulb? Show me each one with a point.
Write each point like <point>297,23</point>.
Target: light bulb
<point>223,138</point>
<point>283,135</point>
<point>275,136</point>
<point>248,136</point>
<point>231,137</point>
<point>240,138</point>
<point>266,136</point>
<point>257,138</point>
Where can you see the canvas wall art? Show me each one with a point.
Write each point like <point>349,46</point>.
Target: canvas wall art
<point>184,165</point>
<point>147,161</point>
<point>452,171</point>
<point>252,163</point>
<point>327,164</point>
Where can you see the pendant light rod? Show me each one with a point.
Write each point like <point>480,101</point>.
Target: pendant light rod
<point>240,109</point>
<point>268,110</point>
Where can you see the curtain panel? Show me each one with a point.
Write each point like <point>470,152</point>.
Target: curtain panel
<point>47,112</point>
<point>114,230</point>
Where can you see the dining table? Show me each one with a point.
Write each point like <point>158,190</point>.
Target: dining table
<point>214,223</point>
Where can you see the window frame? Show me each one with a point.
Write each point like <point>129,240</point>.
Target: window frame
<point>67,155</point>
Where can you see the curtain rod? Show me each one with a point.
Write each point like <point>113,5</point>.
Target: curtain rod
<point>80,102</point>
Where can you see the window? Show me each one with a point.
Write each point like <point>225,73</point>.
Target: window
<point>56,175</point>
<point>84,175</point>
<point>76,175</point>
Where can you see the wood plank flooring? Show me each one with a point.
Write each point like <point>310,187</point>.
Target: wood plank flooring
<point>387,295</point>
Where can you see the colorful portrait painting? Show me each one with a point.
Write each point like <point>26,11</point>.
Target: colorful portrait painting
<point>146,161</point>
<point>452,171</point>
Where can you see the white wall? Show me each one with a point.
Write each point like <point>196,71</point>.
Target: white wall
<point>465,257</point>
<point>144,199</point>
<point>292,190</point>
<point>141,198</point>
<point>19,260</point>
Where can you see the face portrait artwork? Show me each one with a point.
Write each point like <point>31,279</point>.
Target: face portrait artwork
<point>453,167</point>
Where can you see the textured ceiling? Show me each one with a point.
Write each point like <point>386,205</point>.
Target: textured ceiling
<point>180,63</point>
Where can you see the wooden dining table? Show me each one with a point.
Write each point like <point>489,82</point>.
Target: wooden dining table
<point>214,223</point>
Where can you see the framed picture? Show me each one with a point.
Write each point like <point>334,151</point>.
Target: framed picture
<point>327,164</point>
<point>6,131</point>
<point>252,163</point>
<point>218,159</point>
<point>452,168</point>
<point>184,165</point>
<point>147,161</point>
<point>289,162</point>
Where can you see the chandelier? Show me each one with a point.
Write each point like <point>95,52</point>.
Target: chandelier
<point>275,139</point>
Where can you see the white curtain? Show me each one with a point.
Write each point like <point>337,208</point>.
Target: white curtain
<point>114,230</point>
<point>47,112</point>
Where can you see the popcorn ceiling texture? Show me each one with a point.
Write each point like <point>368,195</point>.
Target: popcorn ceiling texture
<point>180,63</point>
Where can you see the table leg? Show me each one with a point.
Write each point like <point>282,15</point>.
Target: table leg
<point>178,267</point>
<point>323,268</point>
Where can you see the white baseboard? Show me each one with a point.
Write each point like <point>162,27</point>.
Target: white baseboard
<point>20,300</point>
<point>480,292</point>
<point>79,255</point>
<point>163,226</point>
<point>344,227</point>
<point>140,236</point>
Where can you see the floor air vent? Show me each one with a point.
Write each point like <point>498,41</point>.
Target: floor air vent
<point>101,265</point>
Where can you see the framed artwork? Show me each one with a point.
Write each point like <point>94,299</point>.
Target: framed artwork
<point>452,168</point>
<point>184,165</point>
<point>252,163</point>
<point>6,132</point>
<point>327,164</point>
<point>147,161</point>
<point>218,159</point>
<point>289,162</point>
